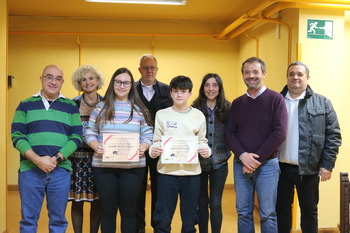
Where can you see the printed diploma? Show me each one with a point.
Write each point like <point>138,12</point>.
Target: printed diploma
<point>121,147</point>
<point>179,149</point>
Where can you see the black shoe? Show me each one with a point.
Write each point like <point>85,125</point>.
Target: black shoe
<point>140,230</point>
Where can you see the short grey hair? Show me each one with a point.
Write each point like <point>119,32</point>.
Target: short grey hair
<point>143,57</point>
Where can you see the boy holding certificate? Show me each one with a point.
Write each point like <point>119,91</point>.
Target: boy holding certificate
<point>178,165</point>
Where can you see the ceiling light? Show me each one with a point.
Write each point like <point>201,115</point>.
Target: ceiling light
<point>159,2</point>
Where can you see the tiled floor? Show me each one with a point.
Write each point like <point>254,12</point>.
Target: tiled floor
<point>229,222</point>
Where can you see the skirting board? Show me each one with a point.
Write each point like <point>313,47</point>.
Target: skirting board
<point>321,230</point>
<point>14,187</point>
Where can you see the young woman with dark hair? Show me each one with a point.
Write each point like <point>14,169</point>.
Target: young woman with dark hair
<point>212,102</point>
<point>118,183</point>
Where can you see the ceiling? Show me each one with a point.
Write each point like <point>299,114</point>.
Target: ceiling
<point>225,11</point>
<point>239,15</point>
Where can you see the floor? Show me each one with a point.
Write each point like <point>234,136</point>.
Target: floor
<point>229,212</point>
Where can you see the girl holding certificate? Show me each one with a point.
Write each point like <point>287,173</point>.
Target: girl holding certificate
<point>212,102</point>
<point>118,170</point>
<point>88,80</point>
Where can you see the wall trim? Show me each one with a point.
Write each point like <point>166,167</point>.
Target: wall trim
<point>321,230</point>
<point>12,187</point>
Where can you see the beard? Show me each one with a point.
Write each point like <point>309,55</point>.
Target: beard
<point>253,86</point>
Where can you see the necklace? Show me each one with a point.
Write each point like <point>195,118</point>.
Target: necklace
<point>93,104</point>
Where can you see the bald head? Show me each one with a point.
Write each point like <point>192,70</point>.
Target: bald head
<point>51,82</point>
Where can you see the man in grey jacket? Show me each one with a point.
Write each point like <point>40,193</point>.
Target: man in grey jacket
<point>309,151</point>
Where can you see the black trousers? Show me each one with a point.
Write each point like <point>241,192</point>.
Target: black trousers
<point>308,195</point>
<point>118,189</point>
<point>151,166</point>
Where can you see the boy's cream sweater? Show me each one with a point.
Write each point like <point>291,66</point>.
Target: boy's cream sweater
<point>172,123</point>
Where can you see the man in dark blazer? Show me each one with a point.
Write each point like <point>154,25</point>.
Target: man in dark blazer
<point>155,95</point>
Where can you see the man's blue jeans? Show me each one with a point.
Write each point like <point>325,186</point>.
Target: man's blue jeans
<point>264,181</point>
<point>33,185</point>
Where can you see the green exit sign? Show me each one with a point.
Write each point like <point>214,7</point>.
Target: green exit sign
<point>320,29</point>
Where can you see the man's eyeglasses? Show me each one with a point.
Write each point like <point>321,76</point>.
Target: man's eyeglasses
<point>152,68</point>
<point>118,83</point>
<point>51,78</point>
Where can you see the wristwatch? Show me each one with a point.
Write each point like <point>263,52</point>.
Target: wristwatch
<point>58,158</point>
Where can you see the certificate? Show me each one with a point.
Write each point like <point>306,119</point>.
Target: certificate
<point>179,149</point>
<point>121,147</point>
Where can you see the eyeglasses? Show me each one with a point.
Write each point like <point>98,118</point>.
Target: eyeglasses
<point>152,68</point>
<point>119,83</point>
<point>51,78</point>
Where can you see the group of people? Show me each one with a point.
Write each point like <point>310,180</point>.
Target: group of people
<point>280,141</point>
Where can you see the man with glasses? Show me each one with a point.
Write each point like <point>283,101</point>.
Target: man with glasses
<point>155,95</point>
<point>46,130</point>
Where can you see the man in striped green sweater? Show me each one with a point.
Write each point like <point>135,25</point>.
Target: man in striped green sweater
<point>46,130</point>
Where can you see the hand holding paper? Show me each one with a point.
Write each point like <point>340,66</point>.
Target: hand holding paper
<point>143,148</point>
<point>204,152</point>
<point>156,152</point>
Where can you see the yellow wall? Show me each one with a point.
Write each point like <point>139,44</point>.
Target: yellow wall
<point>191,56</point>
<point>3,105</point>
<point>271,48</point>
<point>328,63</point>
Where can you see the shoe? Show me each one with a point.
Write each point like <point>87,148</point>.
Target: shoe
<point>140,230</point>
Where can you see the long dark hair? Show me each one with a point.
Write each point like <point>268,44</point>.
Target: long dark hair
<point>107,111</point>
<point>222,105</point>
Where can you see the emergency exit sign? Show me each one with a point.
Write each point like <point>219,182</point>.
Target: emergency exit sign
<point>320,29</point>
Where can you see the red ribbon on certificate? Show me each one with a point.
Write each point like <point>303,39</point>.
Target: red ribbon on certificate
<point>107,139</point>
<point>167,141</point>
<point>195,154</point>
<point>134,156</point>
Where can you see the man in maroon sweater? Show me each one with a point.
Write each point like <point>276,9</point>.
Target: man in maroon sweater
<point>256,128</point>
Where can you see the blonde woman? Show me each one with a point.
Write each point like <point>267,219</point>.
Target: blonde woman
<point>88,80</point>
